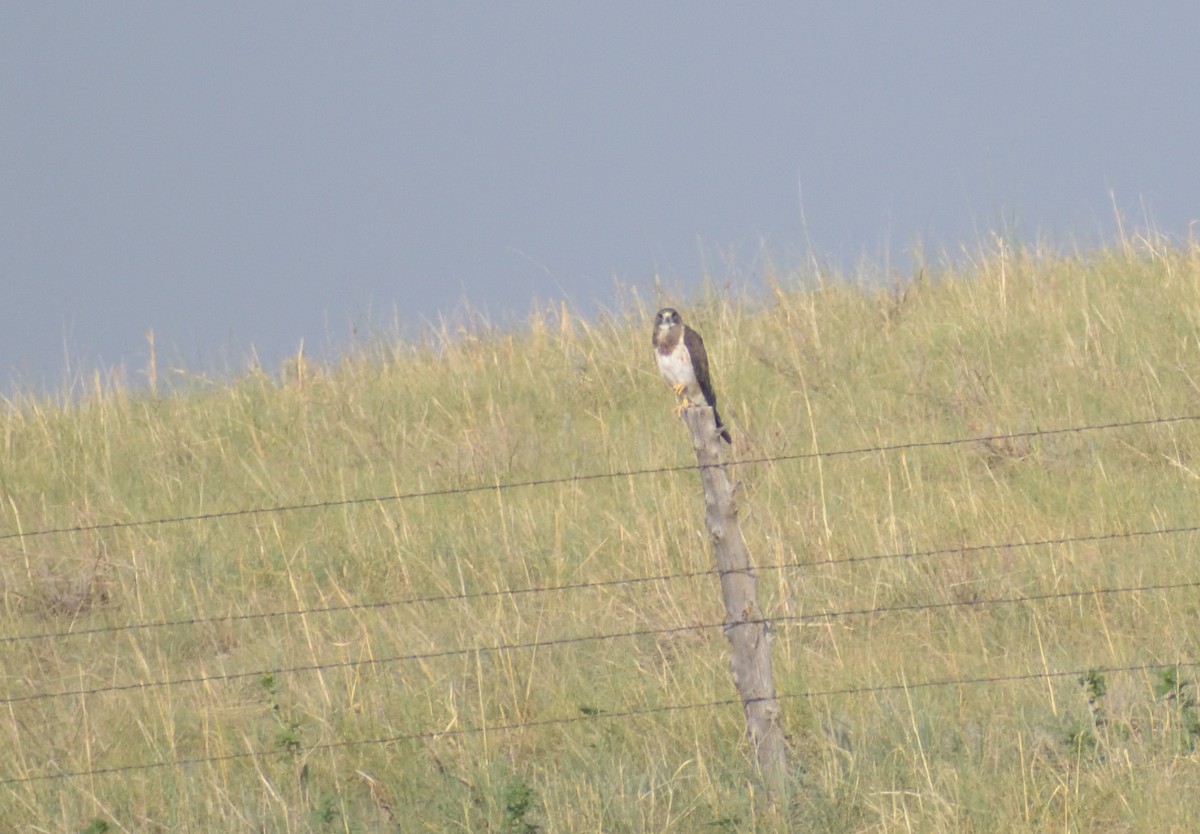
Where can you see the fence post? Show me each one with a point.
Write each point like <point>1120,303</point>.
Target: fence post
<point>749,638</point>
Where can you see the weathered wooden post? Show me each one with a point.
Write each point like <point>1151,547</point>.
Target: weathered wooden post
<point>750,659</point>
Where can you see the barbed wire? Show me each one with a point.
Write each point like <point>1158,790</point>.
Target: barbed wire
<point>778,620</point>
<point>603,715</point>
<point>585,477</point>
<point>587,638</point>
<point>1087,538</point>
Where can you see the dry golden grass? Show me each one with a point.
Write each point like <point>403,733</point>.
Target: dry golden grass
<point>295,649</point>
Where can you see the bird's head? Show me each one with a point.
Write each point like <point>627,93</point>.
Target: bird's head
<point>667,318</point>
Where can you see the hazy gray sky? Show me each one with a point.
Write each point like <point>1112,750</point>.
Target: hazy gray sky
<point>237,174</point>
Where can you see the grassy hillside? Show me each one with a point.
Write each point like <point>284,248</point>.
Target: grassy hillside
<point>332,667</point>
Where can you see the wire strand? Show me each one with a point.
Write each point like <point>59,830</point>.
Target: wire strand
<point>593,476</point>
<point>600,583</point>
<point>601,715</point>
<point>565,641</point>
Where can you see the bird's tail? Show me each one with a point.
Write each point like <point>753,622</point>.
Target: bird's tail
<point>724,431</point>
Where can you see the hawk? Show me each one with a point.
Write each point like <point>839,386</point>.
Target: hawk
<point>683,363</point>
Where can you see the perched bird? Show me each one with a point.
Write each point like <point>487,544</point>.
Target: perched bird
<point>683,363</point>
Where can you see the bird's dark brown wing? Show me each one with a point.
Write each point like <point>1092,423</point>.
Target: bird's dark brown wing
<point>695,347</point>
